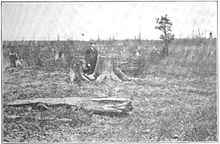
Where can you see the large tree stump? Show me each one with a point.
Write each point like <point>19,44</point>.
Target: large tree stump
<point>106,70</point>
<point>119,72</point>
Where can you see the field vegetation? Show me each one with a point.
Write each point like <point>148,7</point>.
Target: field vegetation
<point>174,98</point>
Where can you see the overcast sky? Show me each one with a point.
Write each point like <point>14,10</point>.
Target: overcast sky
<point>37,21</point>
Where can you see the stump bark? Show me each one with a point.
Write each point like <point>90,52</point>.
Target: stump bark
<point>107,70</point>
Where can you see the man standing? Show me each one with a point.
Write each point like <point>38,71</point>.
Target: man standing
<point>91,58</point>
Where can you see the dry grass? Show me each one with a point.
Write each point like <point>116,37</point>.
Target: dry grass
<point>174,100</point>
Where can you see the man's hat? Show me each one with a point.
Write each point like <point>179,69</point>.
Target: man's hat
<point>92,42</point>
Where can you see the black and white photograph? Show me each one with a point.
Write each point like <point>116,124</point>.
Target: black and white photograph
<point>109,71</point>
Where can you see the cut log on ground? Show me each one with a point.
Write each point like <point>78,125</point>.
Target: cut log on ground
<point>16,117</point>
<point>111,105</point>
<point>91,105</point>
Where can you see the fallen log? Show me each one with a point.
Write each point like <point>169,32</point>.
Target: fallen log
<point>92,105</point>
<point>111,105</point>
<point>13,117</point>
<point>48,101</point>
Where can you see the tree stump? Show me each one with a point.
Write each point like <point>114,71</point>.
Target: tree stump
<point>119,72</point>
<point>106,70</point>
<point>13,59</point>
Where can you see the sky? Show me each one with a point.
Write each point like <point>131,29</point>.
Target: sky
<point>90,20</point>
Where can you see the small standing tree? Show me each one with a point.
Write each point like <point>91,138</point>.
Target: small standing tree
<point>164,25</point>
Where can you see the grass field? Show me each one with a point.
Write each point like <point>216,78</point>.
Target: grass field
<point>174,99</point>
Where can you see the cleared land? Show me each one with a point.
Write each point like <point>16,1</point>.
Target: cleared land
<point>174,100</point>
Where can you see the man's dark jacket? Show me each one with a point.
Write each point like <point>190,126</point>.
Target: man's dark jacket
<point>91,59</point>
